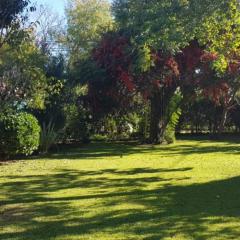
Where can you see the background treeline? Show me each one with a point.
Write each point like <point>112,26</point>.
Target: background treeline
<point>131,70</point>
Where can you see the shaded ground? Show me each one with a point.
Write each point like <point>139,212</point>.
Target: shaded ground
<point>190,190</point>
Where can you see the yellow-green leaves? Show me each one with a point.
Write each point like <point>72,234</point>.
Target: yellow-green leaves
<point>220,65</point>
<point>171,25</point>
<point>143,59</point>
<point>87,20</point>
<point>221,31</point>
<point>22,73</point>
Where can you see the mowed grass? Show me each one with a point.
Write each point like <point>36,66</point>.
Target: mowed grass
<point>189,190</point>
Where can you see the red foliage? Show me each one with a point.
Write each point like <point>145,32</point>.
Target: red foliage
<point>113,55</point>
<point>234,67</point>
<point>172,64</point>
<point>127,80</point>
<point>190,57</point>
<point>217,92</point>
<point>209,57</point>
<point>115,88</point>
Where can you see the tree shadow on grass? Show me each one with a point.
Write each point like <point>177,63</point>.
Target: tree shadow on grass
<point>106,150</point>
<point>142,203</point>
<point>228,137</point>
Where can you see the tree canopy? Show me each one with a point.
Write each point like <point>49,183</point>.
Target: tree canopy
<point>87,20</point>
<point>164,45</point>
<point>171,25</point>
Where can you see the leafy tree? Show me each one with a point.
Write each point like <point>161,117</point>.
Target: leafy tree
<point>87,20</point>
<point>193,70</point>
<point>169,29</point>
<point>121,79</point>
<point>171,25</point>
<point>11,21</point>
<point>22,78</point>
<point>227,94</point>
<point>9,9</point>
<point>56,95</point>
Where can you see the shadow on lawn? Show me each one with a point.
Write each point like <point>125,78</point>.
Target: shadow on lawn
<point>102,150</point>
<point>197,211</point>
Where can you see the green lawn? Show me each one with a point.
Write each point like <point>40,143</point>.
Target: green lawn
<point>190,190</point>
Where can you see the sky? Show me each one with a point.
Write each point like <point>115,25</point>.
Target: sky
<point>56,5</point>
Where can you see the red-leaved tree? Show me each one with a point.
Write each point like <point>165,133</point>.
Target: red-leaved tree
<point>189,70</point>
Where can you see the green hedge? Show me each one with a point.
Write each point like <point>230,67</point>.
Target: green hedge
<point>19,134</point>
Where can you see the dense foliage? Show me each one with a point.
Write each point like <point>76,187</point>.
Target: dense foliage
<point>22,77</point>
<point>13,17</point>
<point>136,69</point>
<point>146,57</point>
<point>87,20</point>
<point>19,134</point>
<point>9,9</point>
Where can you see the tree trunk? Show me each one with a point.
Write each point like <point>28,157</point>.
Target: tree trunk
<point>210,126</point>
<point>223,121</point>
<point>156,124</point>
<point>159,120</point>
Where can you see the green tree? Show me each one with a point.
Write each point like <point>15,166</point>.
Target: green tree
<point>22,77</point>
<point>169,27</point>
<point>86,21</point>
<point>12,19</point>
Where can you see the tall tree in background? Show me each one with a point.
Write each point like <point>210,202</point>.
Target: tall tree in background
<point>87,20</point>
<point>22,77</point>
<point>164,52</point>
<point>171,25</point>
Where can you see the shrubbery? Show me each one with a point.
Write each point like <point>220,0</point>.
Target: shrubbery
<point>19,134</point>
<point>48,137</point>
<point>77,123</point>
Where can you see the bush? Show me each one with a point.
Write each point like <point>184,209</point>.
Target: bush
<point>118,127</point>
<point>99,138</point>
<point>77,123</point>
<point>19,134</point>
<point>109,128</point>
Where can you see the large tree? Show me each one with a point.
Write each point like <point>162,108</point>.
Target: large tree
<point>127,71</point>
<point>164,45</point>
<point>170,28</point>
<point>22,76</point>
<point>22,66</point>
<point>171,25</point>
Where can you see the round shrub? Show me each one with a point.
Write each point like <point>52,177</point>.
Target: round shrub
<point>19,134</point>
